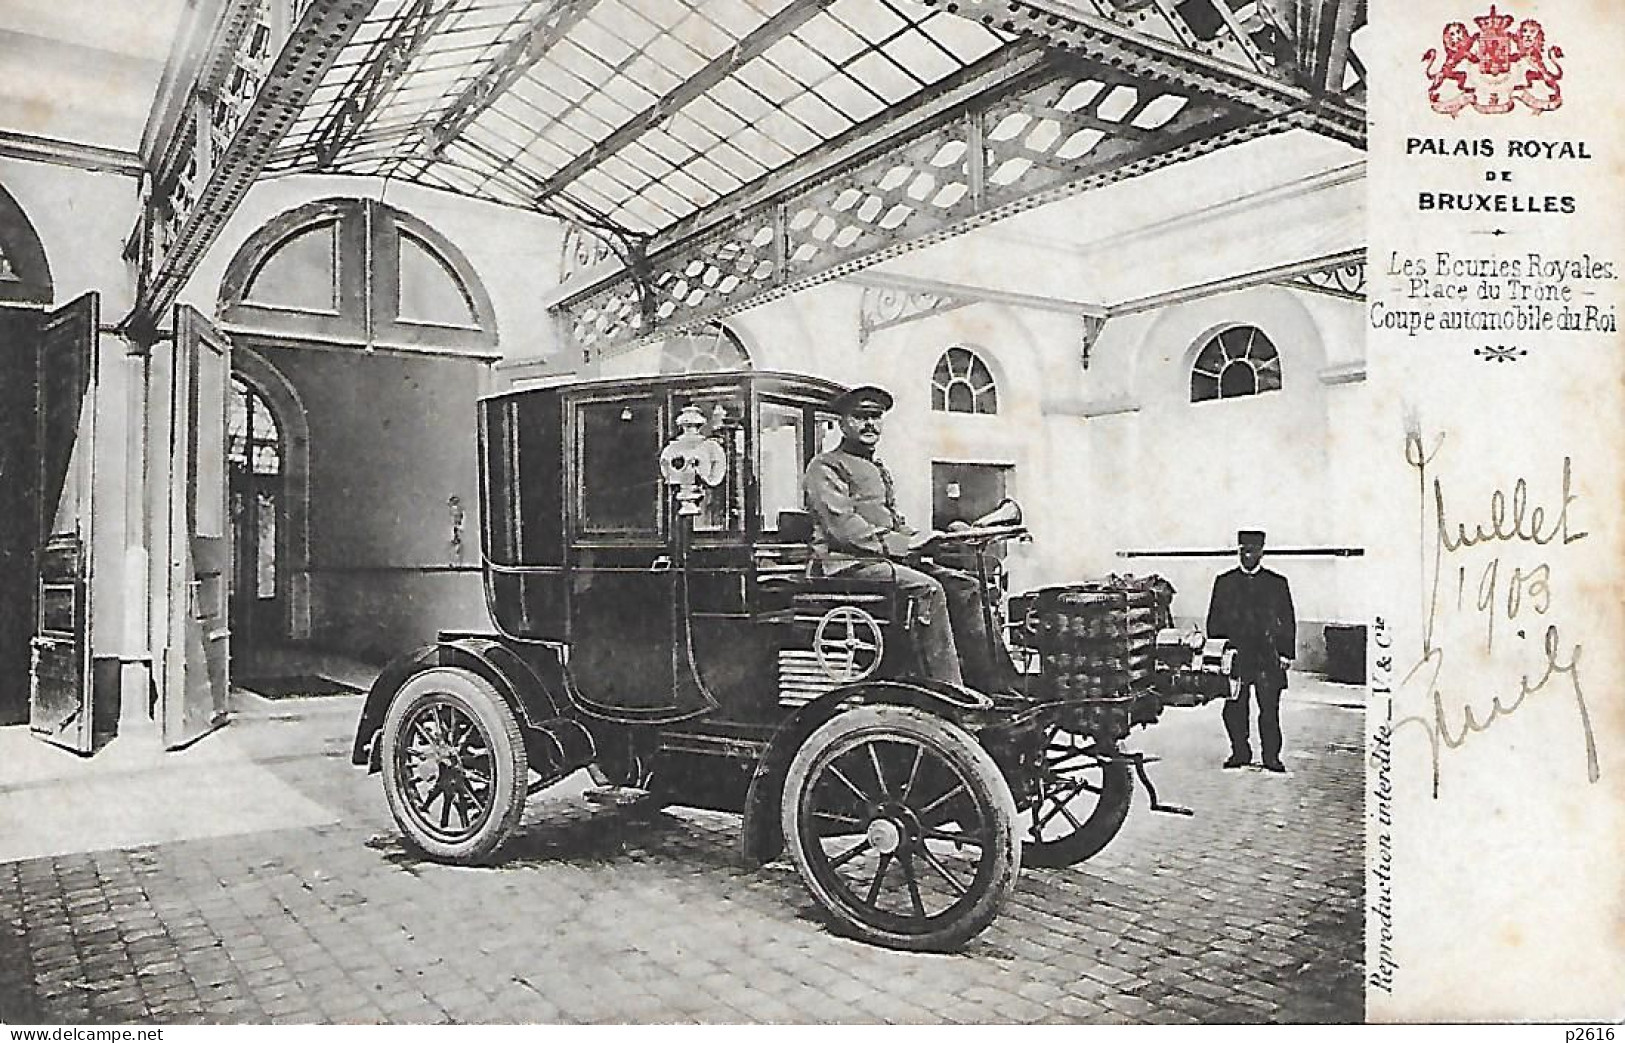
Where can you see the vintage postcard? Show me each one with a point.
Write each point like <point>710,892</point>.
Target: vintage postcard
<point>914,512</point>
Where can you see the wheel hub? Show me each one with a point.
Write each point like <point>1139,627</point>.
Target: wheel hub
<point>885,836</point>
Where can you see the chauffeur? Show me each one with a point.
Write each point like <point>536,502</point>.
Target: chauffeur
<point>858,534</point>
<point>1252,606</point>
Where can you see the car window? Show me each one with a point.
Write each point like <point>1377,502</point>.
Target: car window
<point>780,477</point>
<point>723,508</point>
<point>619,467</point>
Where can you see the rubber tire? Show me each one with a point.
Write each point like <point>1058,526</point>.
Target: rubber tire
<point>1098,830</point>
<point>991,793</point>
<point>478,698</point>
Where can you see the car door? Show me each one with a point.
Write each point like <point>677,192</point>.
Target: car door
<point>622,595</point>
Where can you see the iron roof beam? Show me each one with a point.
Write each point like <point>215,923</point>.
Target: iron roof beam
<point>1029,140</point>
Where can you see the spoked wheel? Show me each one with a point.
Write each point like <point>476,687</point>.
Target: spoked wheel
<point>902,827</point>
<point>454,765</point>
<point>1081,804</point>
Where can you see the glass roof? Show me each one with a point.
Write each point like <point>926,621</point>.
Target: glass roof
<point>634,112</point>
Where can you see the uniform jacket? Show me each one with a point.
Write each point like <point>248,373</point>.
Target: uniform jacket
<point>1255,613</point>
<point>854,510</point>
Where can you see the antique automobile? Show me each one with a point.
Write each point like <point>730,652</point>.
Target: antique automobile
<point>645,562</point>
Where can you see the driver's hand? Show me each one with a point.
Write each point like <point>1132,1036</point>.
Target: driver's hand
<point>920,539</point>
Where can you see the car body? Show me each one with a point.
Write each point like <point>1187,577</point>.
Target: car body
<point>655,622</point>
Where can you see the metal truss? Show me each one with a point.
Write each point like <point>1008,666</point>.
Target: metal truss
<point>1232,48</point>
<point>261,70</point>
<point>1063,126</point>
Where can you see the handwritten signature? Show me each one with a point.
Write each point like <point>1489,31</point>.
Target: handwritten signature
<point>1511,519</point>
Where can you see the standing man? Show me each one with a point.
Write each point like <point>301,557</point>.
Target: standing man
<point>1252,607</point>
<point>858,533</point>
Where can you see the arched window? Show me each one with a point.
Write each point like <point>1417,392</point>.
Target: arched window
<point>962,383</point>
<point>355,271</point>
<point>713,348</point>
<point>1237,362</point>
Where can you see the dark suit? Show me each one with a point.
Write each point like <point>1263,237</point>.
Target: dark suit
<point>1254,611</point>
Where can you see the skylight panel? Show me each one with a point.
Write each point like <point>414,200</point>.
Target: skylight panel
<point>695,135</point>
<point>643,215</point>
<point>769,81</point>
<point>740,100</point>
<point>798,60</point>
<point>647,71</point>
<point>831,39</point>
<point>817,114</point>
<point>760,147</point>
<point>965,39</point>
<point>713,117</point>
<point>676,56</point>
<point>850,98</point>
<point>737,16</point>
<point>922,57</point>
<point>788,131</point>
<point>873,20</point>
<point>881,75</point>
<point>611,48</point>
<point>645,159</point>
<point>568,56</point>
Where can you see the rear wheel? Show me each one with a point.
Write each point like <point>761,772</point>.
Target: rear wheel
<point>1082,802</point>
<point>454,765</point>
<point>902,827</point>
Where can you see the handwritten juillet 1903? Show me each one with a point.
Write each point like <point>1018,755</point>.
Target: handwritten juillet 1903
<point>1467,575</point>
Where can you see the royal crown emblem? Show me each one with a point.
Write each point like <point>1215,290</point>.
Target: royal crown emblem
<point>1494,69</point>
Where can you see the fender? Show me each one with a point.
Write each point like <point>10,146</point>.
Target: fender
<point>760,836</point>
<point>514,679</point>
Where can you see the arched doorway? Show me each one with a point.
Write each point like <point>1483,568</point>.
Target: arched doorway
<point>254,458</point>
<point>358,329</point>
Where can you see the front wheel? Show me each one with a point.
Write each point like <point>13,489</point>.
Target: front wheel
<point>454,765</point>
<point>902,827</point>
<point>1081,802</point>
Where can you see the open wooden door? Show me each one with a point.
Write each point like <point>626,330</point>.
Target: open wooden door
<point>60,694</point>
<point>196,672</point>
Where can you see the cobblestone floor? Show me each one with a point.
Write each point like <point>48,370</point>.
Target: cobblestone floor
<point>1248,911</point>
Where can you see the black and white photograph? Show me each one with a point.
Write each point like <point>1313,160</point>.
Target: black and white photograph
<point>693,511</point>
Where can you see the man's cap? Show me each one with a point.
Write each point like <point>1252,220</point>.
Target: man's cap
<point>848,402</point>
<point>1250,537</point>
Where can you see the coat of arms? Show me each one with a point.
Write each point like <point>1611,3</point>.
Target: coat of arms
<point>1494,69</point>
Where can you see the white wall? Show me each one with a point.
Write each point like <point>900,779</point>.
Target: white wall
<point>82,220</point>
